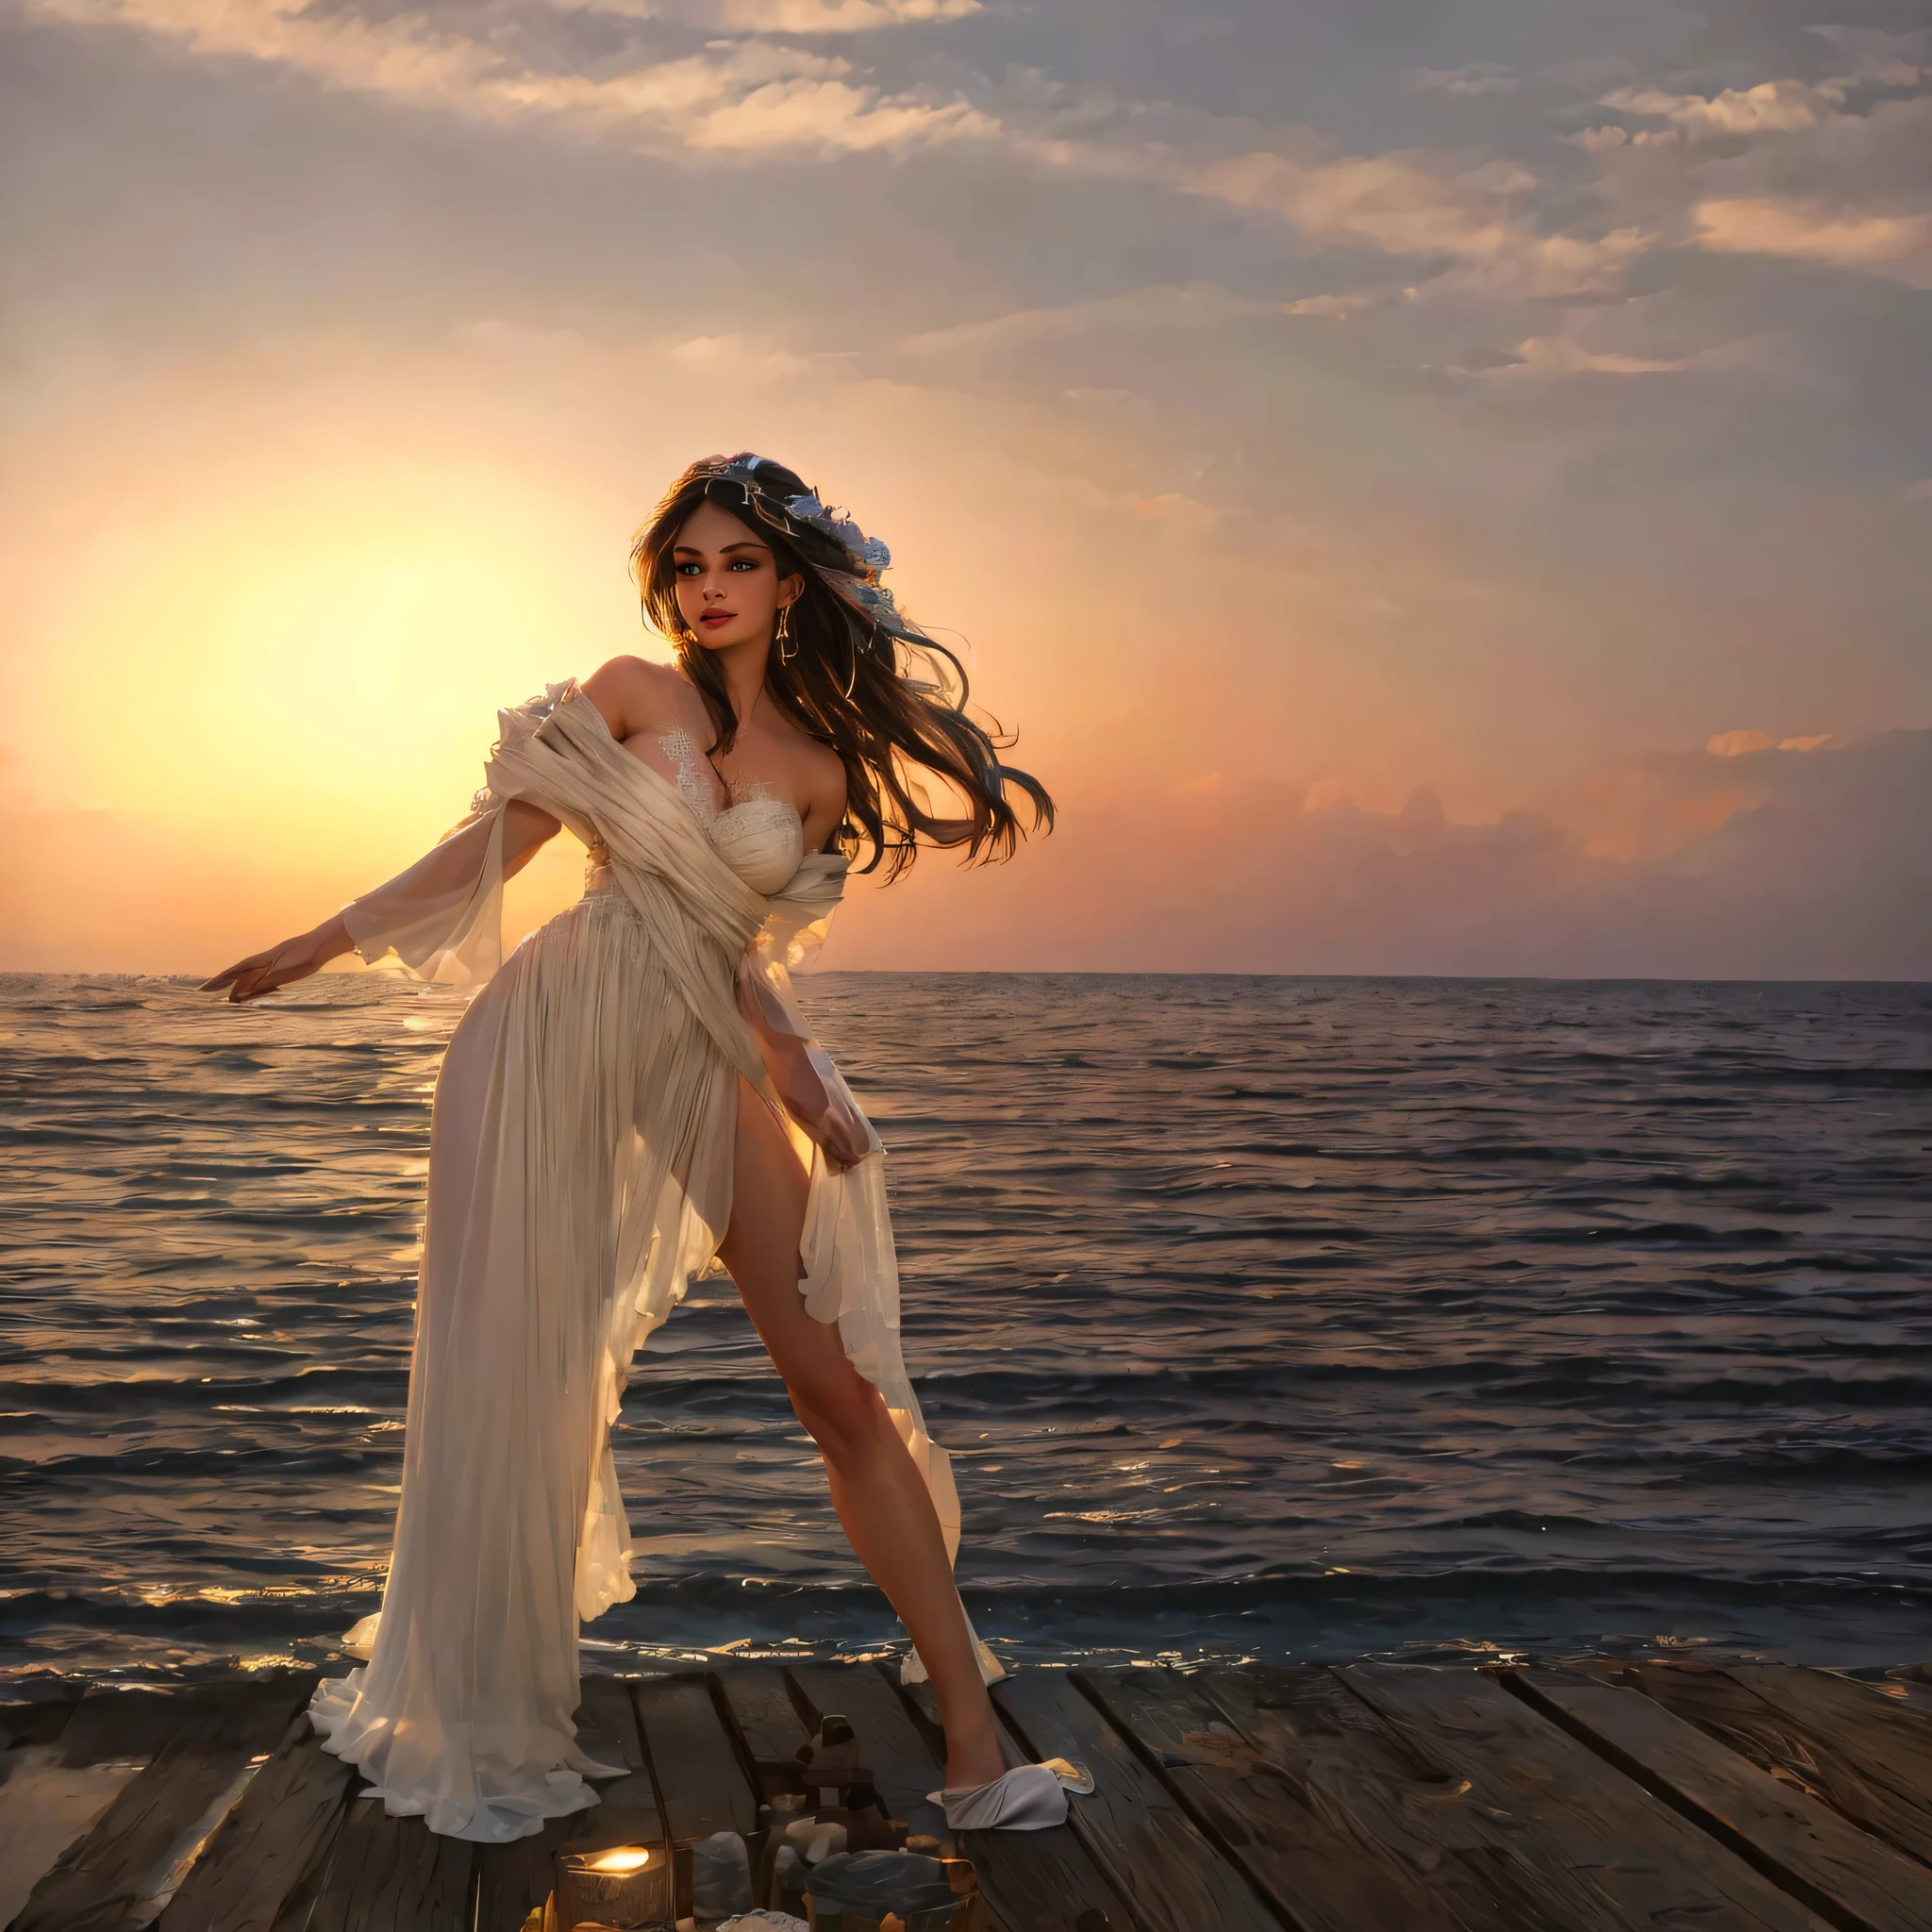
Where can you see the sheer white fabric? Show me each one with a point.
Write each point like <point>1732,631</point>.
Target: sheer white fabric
<point>443,917</point>
<point>580,1172</point>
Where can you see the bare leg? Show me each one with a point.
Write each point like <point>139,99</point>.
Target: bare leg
<point>876,1488</point>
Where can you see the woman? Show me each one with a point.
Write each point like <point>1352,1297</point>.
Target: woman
<point>633,1094</point>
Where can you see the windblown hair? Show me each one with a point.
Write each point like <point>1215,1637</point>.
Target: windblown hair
<point>893,707</point>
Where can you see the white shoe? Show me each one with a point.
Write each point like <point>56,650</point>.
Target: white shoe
<point>1030,1797</point>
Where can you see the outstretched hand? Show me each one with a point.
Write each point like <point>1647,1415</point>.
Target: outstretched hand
<point>282,965</point>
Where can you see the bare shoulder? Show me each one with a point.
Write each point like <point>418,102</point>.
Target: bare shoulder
<point>633,677</point>
<point>822,762</point>
<point>826,771</point>
<point>635,694</point>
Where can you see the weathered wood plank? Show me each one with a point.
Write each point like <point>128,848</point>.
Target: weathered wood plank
<point>380,1874</point>
<point>56,1792</point>
<point>112,1726</point>
<point>1132,1824</point>
<point>509,1879</point>
<point>1319,1875</point>
<point>1856,1881</point>
<point>700,1779</point>
<point>44,1807</point>
<point>768,1721</point>
<point>1411,1811</point>
<point>1631,1859</point>
<point>512,1878</point>
<point>22,1725</point>
<point>1886,1746</point>
<point>903,1771</point>
<point>1909,1686</point>
<point>291,1808</point>
<point>122,1874</point>
<point>1032,1881</point>
<point>1364,1799</point>
<point>628,1810</point>
<point>1832,1766</point>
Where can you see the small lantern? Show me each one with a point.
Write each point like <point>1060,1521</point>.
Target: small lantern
<point>627,1887</point>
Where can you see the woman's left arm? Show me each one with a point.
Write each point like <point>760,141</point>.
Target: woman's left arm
<point>802,1071</point>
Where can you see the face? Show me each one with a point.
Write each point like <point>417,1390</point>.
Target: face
<point>729,588</point>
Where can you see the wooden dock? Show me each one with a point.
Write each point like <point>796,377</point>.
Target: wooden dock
<point>1675,1796</point>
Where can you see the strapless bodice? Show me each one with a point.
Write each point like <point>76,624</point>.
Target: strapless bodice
<point>762,840</point>
<point>758,836</point>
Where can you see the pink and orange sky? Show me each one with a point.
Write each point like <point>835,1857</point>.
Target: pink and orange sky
<point>1436,489</point>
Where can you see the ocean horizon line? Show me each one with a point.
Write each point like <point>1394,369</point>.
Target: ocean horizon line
<point>1125,972</point>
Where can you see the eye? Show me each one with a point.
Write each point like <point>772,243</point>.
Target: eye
<point>688,569</point>
<point>745,564</point>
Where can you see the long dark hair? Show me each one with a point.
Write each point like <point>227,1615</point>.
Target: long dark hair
<point>889,701</point>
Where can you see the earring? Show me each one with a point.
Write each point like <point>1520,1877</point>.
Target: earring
<point>785,656</point>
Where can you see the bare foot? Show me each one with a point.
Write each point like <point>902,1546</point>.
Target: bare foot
<point>973,1752</point>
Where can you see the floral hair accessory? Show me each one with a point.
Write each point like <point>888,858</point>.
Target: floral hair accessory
<point>839,523</point>
<point>859,587</point>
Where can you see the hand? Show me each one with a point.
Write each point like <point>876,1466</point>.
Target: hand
<point>281,965</point>
<point>843,1138</point>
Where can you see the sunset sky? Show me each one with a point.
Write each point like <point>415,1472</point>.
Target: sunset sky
<point>1437,488</point>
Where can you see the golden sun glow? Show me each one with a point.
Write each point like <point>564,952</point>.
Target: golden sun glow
<point>296,666</point>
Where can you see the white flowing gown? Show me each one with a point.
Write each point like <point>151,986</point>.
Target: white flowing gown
<point>580,1172</point>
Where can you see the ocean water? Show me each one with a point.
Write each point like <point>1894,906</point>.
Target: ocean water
<point>1267,1317</point>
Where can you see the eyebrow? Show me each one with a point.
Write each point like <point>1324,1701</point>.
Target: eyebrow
<point>743,544</point>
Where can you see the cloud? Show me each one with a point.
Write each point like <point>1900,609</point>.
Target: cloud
<point>731,98</point>
<point>1828,172</point>
<point>1766,866</point>
<point>1279,391</point>
<point>1426,207</point>
<point>1563,355</point>
<point>1477,79</point>
<point>1623,339</point>
<point>840,16</point>
<point>1480,220</point>
<point>1895,246</point>
<point>1336,308</point>
<point>1871,54</point>
<point>1758,861</point>
<point>748,97</point>
<point>831,115</point>
<point>803,17</point>
<point>1771,107</point>
<point>1740,744</point>
<point>1158,311</point>
<point>400,57</point>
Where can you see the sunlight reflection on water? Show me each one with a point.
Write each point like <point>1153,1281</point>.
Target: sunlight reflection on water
<point>1264,1317</point>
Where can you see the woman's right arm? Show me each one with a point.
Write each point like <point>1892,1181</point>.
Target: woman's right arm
<point>419,907</point>
<point>282,965</point>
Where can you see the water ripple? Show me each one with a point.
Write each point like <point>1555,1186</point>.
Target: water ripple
<point>1265,1316</point>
